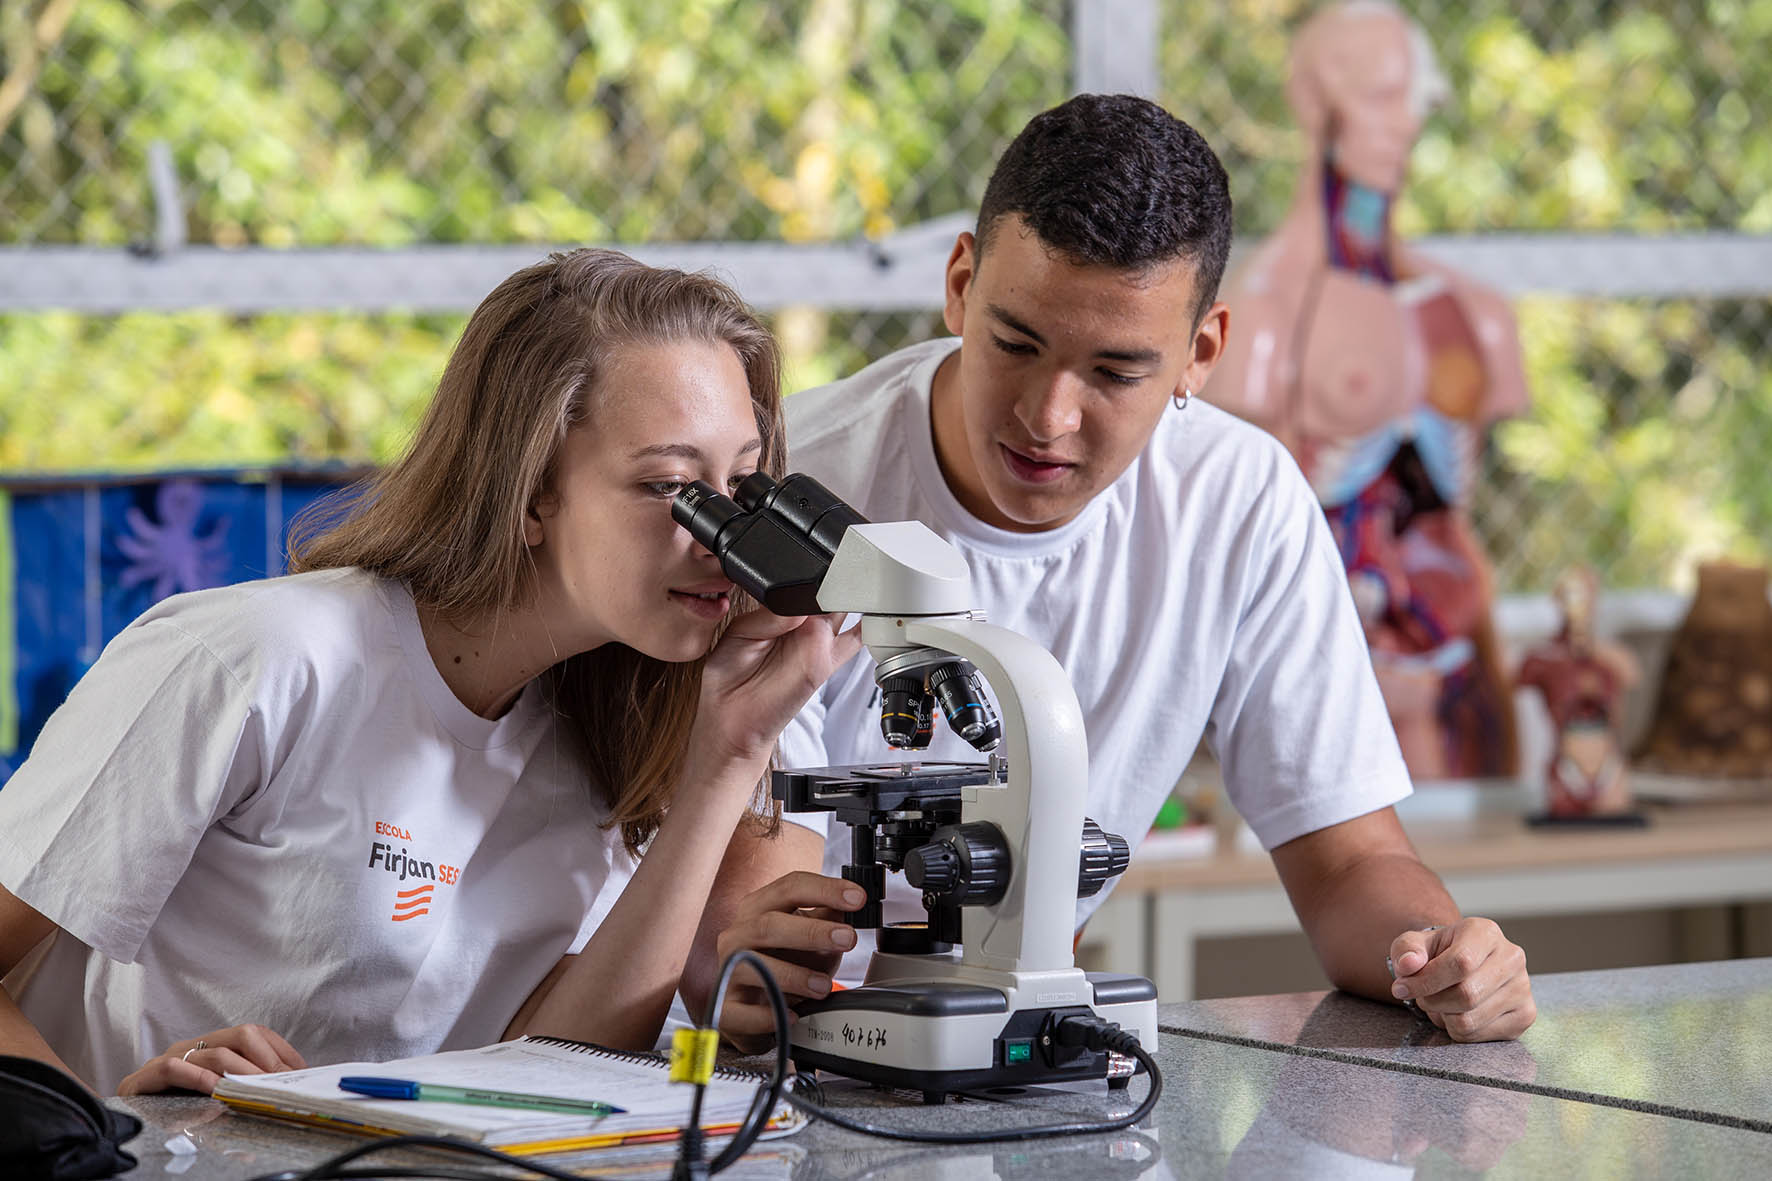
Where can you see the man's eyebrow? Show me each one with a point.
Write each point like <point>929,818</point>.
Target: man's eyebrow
<point>686,450</point>
<point>1129,356</point>
<point>1017,325</point>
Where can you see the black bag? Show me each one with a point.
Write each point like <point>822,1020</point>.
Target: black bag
<point>53,1128</point>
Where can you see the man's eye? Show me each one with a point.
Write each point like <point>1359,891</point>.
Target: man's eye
<point>1121,378</point>
<point>664,488</point>
<point>1015,348</point>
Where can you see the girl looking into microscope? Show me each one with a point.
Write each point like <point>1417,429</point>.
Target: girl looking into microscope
<point>387,805</point>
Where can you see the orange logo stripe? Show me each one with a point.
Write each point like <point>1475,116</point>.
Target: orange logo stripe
<point>410,893</point>
<point>408,905</point>
<point>411,914</point>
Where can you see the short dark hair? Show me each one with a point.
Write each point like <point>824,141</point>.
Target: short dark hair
<point>1115,180</point>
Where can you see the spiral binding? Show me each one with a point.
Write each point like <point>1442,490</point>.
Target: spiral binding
<point>644,1058</point>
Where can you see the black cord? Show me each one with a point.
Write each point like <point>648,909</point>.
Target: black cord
<point>689,1163</point>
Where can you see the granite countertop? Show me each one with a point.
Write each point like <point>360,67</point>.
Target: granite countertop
<point>1619,1078</point>
<point>1687,1040</point>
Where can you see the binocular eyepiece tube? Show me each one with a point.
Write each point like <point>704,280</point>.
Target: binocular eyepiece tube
<point>776,541</point>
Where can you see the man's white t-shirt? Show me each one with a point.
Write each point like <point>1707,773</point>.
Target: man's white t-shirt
<point>1198,596</point>
<point>264,804</point>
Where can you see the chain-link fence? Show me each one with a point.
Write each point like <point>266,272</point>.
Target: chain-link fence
<point>400,126</point>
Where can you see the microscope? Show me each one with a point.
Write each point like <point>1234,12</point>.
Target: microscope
<point>986,992</point>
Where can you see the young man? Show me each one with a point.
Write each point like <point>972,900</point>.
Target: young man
<point>1170,556</point>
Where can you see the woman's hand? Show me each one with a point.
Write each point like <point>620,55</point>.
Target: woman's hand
<point>796,924</point>
<point>198,1064</point>
<point>757,678</point>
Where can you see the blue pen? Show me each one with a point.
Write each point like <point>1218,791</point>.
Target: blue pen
<point>399,1088</point>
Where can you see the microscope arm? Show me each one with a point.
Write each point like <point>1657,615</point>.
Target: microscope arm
<point>913,590</point>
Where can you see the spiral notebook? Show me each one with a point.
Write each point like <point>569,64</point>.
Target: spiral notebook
<point>655,1108</point>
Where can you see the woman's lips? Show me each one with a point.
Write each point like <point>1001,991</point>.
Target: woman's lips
<point>712,605</point>
<point>1031,470</point>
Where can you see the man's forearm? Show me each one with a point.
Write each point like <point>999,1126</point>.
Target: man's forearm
<point>1356,912</point>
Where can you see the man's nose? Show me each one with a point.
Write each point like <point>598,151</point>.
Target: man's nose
<point>1052,409</point>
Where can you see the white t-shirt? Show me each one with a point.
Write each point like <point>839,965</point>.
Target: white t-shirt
<point>264,804</point>
<point>1199,595</point>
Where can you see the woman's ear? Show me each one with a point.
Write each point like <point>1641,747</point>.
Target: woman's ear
<point>534,527</point>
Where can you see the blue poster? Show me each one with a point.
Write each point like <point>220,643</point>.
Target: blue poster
<point>82,557</point>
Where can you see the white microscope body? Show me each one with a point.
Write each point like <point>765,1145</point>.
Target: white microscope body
<point>914,593</point>
<point>985,1015</point>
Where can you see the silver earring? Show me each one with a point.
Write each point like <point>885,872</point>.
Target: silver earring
<point>1182,399</point>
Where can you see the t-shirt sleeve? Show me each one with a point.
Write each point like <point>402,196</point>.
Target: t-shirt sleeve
<point>1298,724</point>
<point>154,744</point>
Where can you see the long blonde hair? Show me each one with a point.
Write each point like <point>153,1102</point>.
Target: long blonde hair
<point>446,519</point>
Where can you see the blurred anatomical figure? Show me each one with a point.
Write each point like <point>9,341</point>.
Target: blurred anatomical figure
<point>1583,681</point>
<point>1381,371</point>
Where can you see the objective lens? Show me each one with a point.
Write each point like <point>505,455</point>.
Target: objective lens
<point>961,695</point>
<point>900,705</point>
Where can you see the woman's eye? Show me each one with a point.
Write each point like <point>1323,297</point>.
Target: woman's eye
<point>664,488</point>
<point>735,481</point>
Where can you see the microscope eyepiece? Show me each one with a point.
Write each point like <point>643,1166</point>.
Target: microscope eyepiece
<point>813,512</point>
<point>700,508</point>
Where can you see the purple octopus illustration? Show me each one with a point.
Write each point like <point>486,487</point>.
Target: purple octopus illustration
<point>170,552</point>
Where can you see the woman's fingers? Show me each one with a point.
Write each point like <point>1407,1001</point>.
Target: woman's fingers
<point>197,1064</point>
<point>167,1073</point>
<point>802,890</point>
<point>265,1048</point>
<point>190,1070</point>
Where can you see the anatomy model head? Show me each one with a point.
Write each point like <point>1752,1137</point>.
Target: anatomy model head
<point>1363,78</point>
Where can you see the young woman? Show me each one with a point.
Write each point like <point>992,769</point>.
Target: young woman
<point>387,805</point>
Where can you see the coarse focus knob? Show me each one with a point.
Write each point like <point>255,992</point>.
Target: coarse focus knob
<point>1105,855</point>
<point>964,864</point>
<point>933,868</point>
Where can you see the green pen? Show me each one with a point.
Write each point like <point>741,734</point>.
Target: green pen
<point>399,1088</point>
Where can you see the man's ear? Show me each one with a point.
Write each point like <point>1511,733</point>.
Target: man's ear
<point>962,266</point>
<point>1208,347</point>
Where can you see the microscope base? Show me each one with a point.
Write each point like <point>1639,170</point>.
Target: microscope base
<point>940,1037</point>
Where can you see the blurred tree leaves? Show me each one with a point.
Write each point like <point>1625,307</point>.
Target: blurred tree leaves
<point>389,122</point>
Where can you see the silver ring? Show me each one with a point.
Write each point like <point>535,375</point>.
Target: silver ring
<point>1185,397</point>
<point>201,1045</point>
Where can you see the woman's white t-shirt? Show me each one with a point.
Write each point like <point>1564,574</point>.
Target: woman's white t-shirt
<point>264,804</point>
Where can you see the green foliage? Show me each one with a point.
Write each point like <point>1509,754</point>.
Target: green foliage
<point>388,122</point>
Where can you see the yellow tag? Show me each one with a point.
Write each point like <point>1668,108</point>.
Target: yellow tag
<point>692,1055</point>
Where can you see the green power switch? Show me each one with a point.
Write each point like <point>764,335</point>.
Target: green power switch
<point>1018,1051</point>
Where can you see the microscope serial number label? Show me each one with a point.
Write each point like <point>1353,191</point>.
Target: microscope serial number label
<point>867,1036</point>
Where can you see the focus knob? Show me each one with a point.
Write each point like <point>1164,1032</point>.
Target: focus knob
<point>963,864</point>
<point>1105,855</point>
<point>933,868</point>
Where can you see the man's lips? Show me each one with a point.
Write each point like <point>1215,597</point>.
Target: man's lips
<point>1035,468</point>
